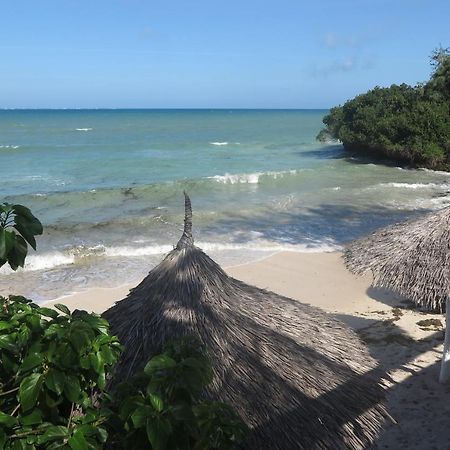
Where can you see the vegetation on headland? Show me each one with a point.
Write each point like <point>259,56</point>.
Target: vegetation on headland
<point>401,122</point>
<point>57,368</point>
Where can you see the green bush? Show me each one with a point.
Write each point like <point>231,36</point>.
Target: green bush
<point>53,374</point>
<point>410,124</point>
<point>53,369</point>
<point>163,405</point>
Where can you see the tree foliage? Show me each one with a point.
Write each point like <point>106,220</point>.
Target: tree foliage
<point>163,405</point>
<point>18,227</point>
<point>405,123</point>
<point>53,388</point>
<point>54,365</point>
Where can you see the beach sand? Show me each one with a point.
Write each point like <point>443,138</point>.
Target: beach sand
<point>408,351</point>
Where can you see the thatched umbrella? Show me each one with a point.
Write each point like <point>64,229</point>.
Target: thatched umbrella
<point>299,378</point>
<point>411,258</point>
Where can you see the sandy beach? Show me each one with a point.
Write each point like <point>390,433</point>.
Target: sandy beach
<point>407,348</point>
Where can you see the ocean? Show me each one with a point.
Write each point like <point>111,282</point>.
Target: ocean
<point>108,188</point>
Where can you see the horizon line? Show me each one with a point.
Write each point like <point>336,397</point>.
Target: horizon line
<point>157,109</point>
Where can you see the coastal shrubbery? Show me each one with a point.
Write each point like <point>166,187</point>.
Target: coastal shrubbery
<point>401,122</point>
<point>53,371</point>
<point>57,369</point>
<point>53,388</point>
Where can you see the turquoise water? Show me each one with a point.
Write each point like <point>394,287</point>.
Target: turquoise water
<point>107,185</point>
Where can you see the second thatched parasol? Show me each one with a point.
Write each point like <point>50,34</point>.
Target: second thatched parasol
<point>413,259</point>
<point>299,378</point>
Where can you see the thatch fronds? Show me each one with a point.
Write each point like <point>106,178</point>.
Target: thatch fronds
<point>411,258</point>
<point>299,378</point>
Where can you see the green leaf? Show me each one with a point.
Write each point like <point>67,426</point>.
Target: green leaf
<point>128,406</point>
<point>157,402</point>
<point>55,380</point>
<point>72,389</point>
<point>159,362</point>
<point>52,400</point>
<point>47,312</point>
<point>24,215</point>
<point>17,254</point>
<point>21,226</point>
<point>79,339</point>
<point>29,390</point>
<point>54,433</point>
<point>7,420</point>
<point>8,342</point>
<point>101,380</point>
<point>158,432</point>
<point>102,434</point>
<point>31,361</point>
<point>9,364</point>
<point>62,308</point>
<point>34,418</point>
<point>78,441</point>
<point>140,416</point>
<point>6,243</point>
<point>23,211</point>
<point>5,326</point>
<point>97,362</point>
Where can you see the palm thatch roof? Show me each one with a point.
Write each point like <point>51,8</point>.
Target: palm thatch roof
<point>411,258</point>
<point>299,378</point>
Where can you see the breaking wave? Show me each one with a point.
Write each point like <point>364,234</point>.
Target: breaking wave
<point>82,255</point>
<point>251,178</point>
<point>412,185</point>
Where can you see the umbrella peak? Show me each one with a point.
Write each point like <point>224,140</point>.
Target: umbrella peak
<point>186,239</point>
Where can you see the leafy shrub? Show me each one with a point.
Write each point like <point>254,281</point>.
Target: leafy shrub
<point>18,227</point>
<point>163,405</point>
<point>53,367</point>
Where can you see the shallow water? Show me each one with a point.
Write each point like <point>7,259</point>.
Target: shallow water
<point>107,185</point>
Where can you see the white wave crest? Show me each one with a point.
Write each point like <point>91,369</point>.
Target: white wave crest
<point>83,129</point>
<point>43,262</point>
<point>256,245</point>
<point>13,147</point>
<point>79,255</point>
<point>138,251</point>
<point>219,143</point>
<point>411,185</point>
<point>438,172</point>
<point>250,178</point>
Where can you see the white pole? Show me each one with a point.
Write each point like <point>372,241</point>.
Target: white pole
<point>445,365</point>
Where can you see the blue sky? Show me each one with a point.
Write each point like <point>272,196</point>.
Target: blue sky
<point>208,53</point>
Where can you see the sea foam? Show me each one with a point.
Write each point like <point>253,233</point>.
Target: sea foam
<point>219,143</point>
<point>83,129</point>
<point>78,255</point>
<point>412,185</point>
<point>250,178</point>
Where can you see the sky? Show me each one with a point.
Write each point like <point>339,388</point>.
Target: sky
<point>212,54</point>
